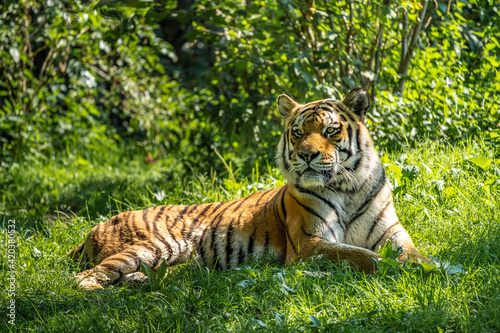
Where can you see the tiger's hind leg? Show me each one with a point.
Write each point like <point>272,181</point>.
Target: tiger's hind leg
<point>123,266</point>
<point>134,278</point>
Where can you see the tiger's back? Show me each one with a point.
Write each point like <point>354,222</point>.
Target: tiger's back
<point>222,234</point>
<point>337,203</point>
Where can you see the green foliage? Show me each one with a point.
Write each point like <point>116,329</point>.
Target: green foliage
<point>388,259</point>
<point>75,76</point>
<point>168,79</point>
<point>155,279</point>
<point>321,49</point>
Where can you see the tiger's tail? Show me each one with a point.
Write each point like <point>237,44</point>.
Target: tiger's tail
<point>77,254</point>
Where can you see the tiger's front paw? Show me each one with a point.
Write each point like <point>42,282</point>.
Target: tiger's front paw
<point>89,280</point>
<point>413,258</point>
<point>365,261</point>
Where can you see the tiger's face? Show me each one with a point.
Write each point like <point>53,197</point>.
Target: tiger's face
<point>319,143</point>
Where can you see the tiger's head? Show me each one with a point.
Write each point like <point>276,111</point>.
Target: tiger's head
<point>323,141</point>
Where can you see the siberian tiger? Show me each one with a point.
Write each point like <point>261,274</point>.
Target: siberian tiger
<point>337,203</point>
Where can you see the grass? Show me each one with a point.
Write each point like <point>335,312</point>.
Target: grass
<point>446,196</point>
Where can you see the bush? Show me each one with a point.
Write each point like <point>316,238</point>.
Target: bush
<point>319,49</point>
<point>88,76</point>
<point>76,76</point>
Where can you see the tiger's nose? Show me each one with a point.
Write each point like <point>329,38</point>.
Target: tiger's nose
<point>308,156</point>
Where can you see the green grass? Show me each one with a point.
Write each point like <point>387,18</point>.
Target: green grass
<point>450,206</point>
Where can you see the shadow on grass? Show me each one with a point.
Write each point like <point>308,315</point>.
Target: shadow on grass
<point>37,205</point>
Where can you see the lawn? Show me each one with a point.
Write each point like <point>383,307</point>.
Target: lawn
<point>447,197</point>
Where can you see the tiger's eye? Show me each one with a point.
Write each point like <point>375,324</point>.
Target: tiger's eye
<point>330,131</point>
<point>297,132</point>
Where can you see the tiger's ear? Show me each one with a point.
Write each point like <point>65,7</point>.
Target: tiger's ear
<point>286,105</point>
<point>358,102</point>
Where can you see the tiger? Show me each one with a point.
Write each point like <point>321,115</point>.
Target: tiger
<point>337,205</point>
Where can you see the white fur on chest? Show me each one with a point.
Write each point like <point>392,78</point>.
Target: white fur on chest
<point>347,218</point>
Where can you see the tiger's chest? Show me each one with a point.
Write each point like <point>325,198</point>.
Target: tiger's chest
<point>330,215</point>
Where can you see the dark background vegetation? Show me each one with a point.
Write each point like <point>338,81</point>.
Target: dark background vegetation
<point>181,78</point>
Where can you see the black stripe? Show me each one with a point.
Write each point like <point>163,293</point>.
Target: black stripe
<point>313,115</point>
<point>310,210</point>
<point>162,209</point>
<point>262,196</point>
<point>347,112</point>
<point>341,106</point>
<point>285,148</point>
<point>144,218</point>
<point>277,214</point>
<point>266,243</point>
<point>121,260</point>
<point>345,151</point>
<point>349,133</point>
<point>250,244</point>
<point>113,269</point>
<point>135,258</point>
<point>379,217</point>
<point>358,155</point>
<point>131,224</point>
<point>357,162</point>
<point>380,238</point>
<point>275,206</point>
<point>305,232</point>
<point>229,246</point>
<point>243,201</point>
<point>275,202</point>
<point>308,109</point>
<point>357,141</point>
<point>160,236</point>
<point>150,247</point>
<point>329,108</point>
<point>201,216</point>
<point>136,233</point>
<point>378,186</point>
<point>193,224</point>
<point>325,200</point>
<point>157,255</point>
<point>179,216</point>
<point>214,232</point>
<point>132,253</point>
<point>209,244</point>
<point>219,216</point>
<point>183,230</point>
<point>239,216</point>
<point>241,255</point>
<point>330,102</point>
<point>201,247</point>
<point>283,208</point>
<point>167,230</point>
<point>313,212</point>
<point>354,168</point>
<point>329,115</point>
